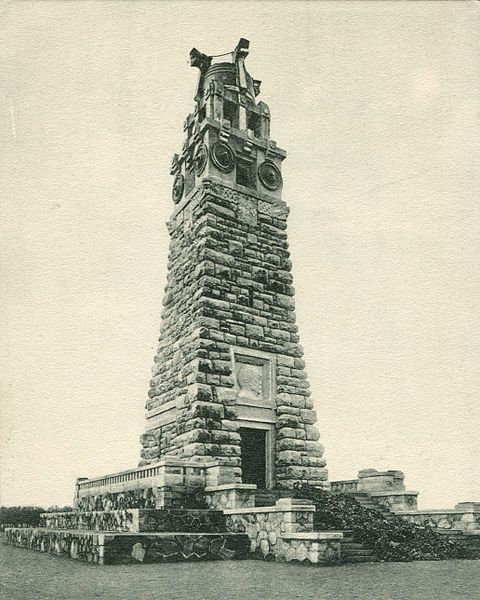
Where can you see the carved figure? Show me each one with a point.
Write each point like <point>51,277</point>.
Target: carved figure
<point>250,381</point>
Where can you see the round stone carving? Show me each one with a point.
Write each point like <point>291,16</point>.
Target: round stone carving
<point>270,175</point>
<point>200,159</point>
<point>178,187</point>
<point>223,157</point>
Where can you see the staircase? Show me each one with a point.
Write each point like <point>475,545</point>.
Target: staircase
<point>355,552</point>
<point>468,539</point>
<point>352,552</point>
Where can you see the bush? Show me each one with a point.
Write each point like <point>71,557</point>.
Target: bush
<point>389,537</point>
<point>12,516</point>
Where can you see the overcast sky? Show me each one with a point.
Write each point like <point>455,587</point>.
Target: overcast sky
<point>377,105</point>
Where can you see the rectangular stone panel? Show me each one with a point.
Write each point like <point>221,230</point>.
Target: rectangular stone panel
<point>254,377</point>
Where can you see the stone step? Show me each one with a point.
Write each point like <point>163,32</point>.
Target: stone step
<point>105,548</point>
<point>355,551</point>
<point>468,539</point>
<point>458,534</point>
<point>360,559</point>
<point>347,553</point>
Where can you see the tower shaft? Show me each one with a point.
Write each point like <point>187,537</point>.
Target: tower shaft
<point>229,379</point>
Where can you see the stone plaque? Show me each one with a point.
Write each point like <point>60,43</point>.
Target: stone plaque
<point>254,377</point>
<point>250,381</point>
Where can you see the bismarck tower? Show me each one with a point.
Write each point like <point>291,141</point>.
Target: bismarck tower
<point>229,379</point>
<point>230,423</point>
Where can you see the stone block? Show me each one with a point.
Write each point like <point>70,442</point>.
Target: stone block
<point>308,416</point>
<point>225,437</point>
<point>317,473</point>
<point>208,410</point>
<point>312,433</point>
<point>297,472</point>
<point>314,448</point>
<point>283,431</point>
<point>289,457</point>
<point>288,410</point>
<point>290,444</point>
<point>254,331</point>
<point>285,420</point>
<point>313,461</point>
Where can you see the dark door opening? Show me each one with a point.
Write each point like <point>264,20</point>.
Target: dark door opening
<point>254,454</point>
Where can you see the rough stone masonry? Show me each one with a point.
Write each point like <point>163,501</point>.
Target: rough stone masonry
<point>229,378</point>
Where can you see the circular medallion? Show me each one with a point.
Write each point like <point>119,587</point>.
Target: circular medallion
<point>270,175</point>
<point>223,157</point>
<point>178,186</point>
<point>200,159</point>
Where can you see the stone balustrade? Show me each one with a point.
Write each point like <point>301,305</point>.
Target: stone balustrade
<point>347,486</point>
<point>165,484</point>
<point>370,480</point>
<point>168,471</point>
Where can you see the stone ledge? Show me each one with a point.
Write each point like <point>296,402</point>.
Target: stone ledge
<point>436,511</point>
<point>170,405</point>
<point>381,493</point>
<point>269,509</point>
<point>470,506</point>
<point>231,486</point>
<point>292,502</point>
<point>313,535</point>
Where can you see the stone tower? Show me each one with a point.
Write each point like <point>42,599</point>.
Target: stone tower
<point>228,380</point>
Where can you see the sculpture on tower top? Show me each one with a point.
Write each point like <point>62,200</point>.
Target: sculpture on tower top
<point>243,81</point>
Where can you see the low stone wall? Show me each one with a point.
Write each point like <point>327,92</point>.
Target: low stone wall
<point>396,501</point>
<point>124,548</point>
<point>84,546</point>
<point>465,519</point>
<point>110,501</point>
<point>284,533</point>
<point>147,497</point>
<point>138,520</point>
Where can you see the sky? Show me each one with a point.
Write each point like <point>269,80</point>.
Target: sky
<point>377,105</point>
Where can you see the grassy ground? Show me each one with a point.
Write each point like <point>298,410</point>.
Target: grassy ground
<point>29,575</point>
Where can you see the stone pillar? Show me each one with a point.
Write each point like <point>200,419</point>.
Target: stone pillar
<point>371,480</point>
